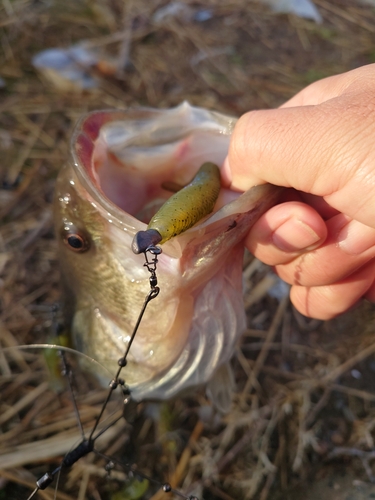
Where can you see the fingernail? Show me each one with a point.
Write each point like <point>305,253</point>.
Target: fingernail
<point>226,173</point>
<point>355,238</point>
<point>294,235</point>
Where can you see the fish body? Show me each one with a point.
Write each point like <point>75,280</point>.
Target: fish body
<point>108,192</point>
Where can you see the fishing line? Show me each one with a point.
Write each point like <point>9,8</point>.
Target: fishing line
<point>86,446</point>
<point>66,371</point>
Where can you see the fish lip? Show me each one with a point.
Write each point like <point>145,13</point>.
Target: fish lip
<point>104,204</point>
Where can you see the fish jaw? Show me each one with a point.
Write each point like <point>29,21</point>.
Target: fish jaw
<point>192,327</point>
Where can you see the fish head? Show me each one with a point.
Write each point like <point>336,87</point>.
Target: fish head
<point>114,184</point>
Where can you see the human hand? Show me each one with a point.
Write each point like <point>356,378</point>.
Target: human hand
<point>321,145</point>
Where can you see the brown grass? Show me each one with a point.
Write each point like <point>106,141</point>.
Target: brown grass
<point>297,401</point>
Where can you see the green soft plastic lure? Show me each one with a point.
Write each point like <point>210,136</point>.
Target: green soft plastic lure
<point>182,210</point>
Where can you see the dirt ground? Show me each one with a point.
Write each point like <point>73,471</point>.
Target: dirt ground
<point>302,423</point>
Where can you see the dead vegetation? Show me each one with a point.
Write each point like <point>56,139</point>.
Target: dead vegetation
<point>305,392</point>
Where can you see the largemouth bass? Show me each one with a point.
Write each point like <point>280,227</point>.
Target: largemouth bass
<point>109,191</point>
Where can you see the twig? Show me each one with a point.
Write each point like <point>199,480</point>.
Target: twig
<point>255,429</point>
<point>23,402</point>
<point>364,456</point>
<point>311,416</point>
<point>184,460</point>
<point>23,155</point>
<point>257,293</point>
<point>48,448</point>
<point>344,367</point>
<point>265,349</point>
<point>344,14</point>
<point>46,495</point>
<point>367,396</point>
<point>219,493</point>
<point>84,484</point>
<point>124,52</point>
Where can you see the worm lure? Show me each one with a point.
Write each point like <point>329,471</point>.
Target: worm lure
<point>182,210</point>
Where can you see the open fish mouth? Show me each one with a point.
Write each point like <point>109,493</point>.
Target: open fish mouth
<point>128,158</point>
<point>122,163</point>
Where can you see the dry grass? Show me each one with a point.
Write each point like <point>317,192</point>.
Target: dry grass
<point>298,402</point>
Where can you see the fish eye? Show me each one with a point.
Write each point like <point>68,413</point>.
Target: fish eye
<point>76,240</point>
